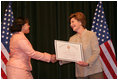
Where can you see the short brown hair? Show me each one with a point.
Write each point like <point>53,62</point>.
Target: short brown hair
<point>80,17</point>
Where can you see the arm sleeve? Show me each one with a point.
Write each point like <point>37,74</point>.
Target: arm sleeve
<point>26,47</point>
<point>95,50</point>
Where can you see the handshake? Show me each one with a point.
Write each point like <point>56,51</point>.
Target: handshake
<point>53,58</point>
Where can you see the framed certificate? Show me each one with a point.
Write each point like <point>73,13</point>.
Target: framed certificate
<point>67,51</point>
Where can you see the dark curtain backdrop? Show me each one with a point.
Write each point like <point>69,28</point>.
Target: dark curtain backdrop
<point>49,21</point>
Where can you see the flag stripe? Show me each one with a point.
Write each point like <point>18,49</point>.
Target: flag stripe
<point>106,71</point>
<point>110,52</point>
<point>3,58</point>
<point>3,66</point>
<point>5,51</point>
<point>4,76</point>
<point>110,43</point>
<point>106,62</point>
<point>108,57</point>
<point>105,77</point>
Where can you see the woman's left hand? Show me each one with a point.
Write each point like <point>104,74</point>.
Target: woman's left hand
<point>81,63</point>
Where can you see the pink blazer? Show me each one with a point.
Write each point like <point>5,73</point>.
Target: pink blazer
<point>21,52</point>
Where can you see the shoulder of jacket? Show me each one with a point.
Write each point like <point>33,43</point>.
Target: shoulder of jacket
<point>90,32</point>
<point>18,36</point>
<point>73,36</point>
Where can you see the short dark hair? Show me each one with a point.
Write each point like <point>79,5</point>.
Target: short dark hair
<point>80,17</point>
<point>18,23</point>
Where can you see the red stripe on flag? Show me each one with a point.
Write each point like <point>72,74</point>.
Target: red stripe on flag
<point>4,76</point>
<point>3,58</point>
<point>110,52</point>
<point>107,64</point>
<point>105,77</point>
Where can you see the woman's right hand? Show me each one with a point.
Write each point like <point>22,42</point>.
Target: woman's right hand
<point>53,58</point>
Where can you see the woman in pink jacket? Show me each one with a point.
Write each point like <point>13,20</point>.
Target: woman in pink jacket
<point>19,66</point>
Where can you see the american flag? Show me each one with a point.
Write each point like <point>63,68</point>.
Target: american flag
<point>107,53</point>
<point>5,37</point>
